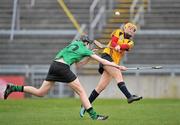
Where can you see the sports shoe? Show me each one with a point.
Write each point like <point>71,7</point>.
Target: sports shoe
<point>82,111</point>
<point>134,98</point>
<point>101,117</point>
<point>8,90</point>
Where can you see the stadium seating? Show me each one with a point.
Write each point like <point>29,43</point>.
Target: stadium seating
<point>47,14</point>
<point>5,14</point>
<point>27,52</point>
<point>43,15</point>
<point>164,14</point>
<point>158,49</point>
<point>114,21</point>
<point>151,49</point>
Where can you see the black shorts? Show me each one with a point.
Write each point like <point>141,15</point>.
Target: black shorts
<point>107,57</point>
<point>60,72</point>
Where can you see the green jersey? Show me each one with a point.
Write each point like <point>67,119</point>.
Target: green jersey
<point>74,52</point>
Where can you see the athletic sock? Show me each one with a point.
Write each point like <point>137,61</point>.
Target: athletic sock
<point>124,90</point>
<point>93,96</point>
<point>92,113</point>
<point>15,88</point>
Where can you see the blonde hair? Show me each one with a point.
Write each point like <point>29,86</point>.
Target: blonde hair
<point>130,25</point>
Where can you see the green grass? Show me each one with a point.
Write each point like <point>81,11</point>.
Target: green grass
<point>66,112</point>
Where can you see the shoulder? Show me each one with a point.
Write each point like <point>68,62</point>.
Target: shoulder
<point>77,42</point>
<point>117,33</point>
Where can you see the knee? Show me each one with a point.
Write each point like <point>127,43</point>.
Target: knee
<point>77,87</point>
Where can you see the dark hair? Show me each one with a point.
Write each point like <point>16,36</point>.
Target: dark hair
<point>85,38</point>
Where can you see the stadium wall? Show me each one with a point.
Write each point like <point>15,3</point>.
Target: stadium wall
<point>148,86</point>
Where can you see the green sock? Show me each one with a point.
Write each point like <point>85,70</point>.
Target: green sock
<point>92,113</point>
<point>15,88</point>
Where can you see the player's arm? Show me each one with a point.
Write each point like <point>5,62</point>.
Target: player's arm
<point>83,62</point>
<point>124,46</point>
<point>114,40</point>
<point>87,54</point>
<point>127,46</point>
<point>114,43</point>
<point>108,63</point>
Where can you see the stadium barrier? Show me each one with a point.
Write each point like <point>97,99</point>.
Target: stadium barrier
<point>34,75</point>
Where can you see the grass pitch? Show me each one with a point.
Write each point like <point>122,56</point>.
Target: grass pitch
<point>66,112</point>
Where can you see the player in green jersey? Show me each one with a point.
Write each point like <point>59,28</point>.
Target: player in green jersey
<point>60,71</point>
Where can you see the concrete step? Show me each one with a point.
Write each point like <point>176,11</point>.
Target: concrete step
<point>47,22</point>
<point>175,6</point>
<point>166,11</point>
<point>42,41</point>
<point>159,2</point>
<point>161,27</point>
<point>157,49</point>
<point>24,52</point>
<point>45,27</point>
<point>162,19</point>
<point>150,62</point>
<point>150,43</point>
<point>165,28</point>
<point>67,2</point>
<point>47,59</point>
<point>158,56</point>
<point>161,15</point>
<point>47,38</point>
<point>5,26</point>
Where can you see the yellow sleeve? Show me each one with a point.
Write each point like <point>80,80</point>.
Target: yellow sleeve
<point>131,44</point>
<point>117,33</point>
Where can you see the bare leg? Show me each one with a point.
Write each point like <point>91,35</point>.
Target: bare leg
<point>115,73</point>
<point>104,82</point>
<point>77,87</point>
<point>45,87</point>
<point>106,77</point>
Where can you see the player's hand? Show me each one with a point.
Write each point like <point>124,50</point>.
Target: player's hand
<point>118,48</point>
<point>123,68</point>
